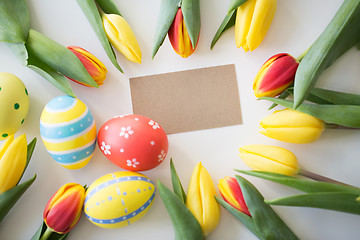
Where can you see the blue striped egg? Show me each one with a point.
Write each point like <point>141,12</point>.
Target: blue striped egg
<point>119,199</point>
<point>68,131</point>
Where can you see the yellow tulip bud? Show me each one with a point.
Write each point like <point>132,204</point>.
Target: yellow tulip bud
<point>12,161</point>
<point>122,37</point>
<point>201,199</point>
<point>269,158</point>
<point>292,126</point>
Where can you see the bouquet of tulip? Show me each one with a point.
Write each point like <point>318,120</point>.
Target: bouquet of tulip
<point>48,58</point>
<point>111,29</point>
<point>15,156</point>
<point>252,20</point>
<point>180,19</point>
<point>194,216</point>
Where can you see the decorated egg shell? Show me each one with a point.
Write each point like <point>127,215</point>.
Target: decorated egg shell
<point>119,199</point>
<point>14,104</point>
<point>133,142</point>
<point>68,131</point>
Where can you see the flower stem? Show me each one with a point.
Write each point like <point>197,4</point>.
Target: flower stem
<point>46,234</point>
<point>299,58</point>
<point>321,178</point>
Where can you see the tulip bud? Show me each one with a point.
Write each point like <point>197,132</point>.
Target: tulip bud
<point>122,37</point>
<point>12,161</point>
<point>292,126</point>
<point>269,158</point>
<point>179,36</point>
<point>201,199</point>
<point>93,65</point>
<point>253,19</point>
<point>64,208</point>
<point>277,73</point>
<point>231,192</point>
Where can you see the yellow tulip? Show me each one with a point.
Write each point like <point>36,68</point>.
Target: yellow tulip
<point>12,161</point>
<point>122,37</point>
<point>292,126</point>
<point>253,19</point>
<point>269,158</point>
<point>201,199</point>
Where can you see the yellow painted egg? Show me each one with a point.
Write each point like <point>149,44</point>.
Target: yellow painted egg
<point>68,131</point>
<point>14,104</point>
<point>119,199</point>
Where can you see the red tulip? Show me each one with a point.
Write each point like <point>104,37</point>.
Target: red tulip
<point>64,208</point>
<point>277,73</point>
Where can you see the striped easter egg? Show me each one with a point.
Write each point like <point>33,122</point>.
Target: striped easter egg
<point>119,199</point>
<point>68,131</point>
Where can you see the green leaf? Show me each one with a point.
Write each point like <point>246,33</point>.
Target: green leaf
<point>14,21</point>
<point>234,4</point>
<point>344,115</point>
<point>338,201</point>
<point>340,35</point>
<point>335,97</point>
<point>108,6</point>
<point>227,23</point>
<point>242,217</point>
<point>10,197</point>
<point>53,236</point>
<point>185,224</point>
<point>93,16</point>
<point>265,219</point>
<point>177,186</point>
<point>30,150</point>
<point>58,57</point>
<point>283,95</point>
<point>304,185</point>
<point>358,45</point>
<point>168,9</point>
<point>192,19</point>
<point>20,51</point>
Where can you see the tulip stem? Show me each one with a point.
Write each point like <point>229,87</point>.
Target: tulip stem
<point>299,58</point>
<point>318,177</point>
<point>46,234</point>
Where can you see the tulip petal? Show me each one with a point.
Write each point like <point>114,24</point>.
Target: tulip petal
<point>244,15</point>
<point>193,200</point>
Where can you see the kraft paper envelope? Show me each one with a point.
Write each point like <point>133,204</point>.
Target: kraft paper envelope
<point>189,100</point>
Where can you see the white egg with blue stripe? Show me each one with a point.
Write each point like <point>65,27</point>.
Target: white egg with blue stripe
<point>68,131</point>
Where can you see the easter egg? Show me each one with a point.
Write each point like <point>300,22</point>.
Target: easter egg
<point>133,142</point>
<point>118,199</point>
<point>14,104</point>
<point>68,131</point>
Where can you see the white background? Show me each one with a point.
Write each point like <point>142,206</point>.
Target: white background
<point>295,26</point>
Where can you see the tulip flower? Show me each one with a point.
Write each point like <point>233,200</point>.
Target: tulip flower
<point>121,36</point>
<point>253,19</point>
<point>292,126</point>
<point>277,73</point>
<point>231,192</point>
<point>269,158</point>
<point>64,208</point>
<point>201,199</point>
<point>13,154</point>
<point>179,36</point>
<point>93,65</point>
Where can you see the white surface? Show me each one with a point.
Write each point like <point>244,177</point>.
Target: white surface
<point>295,26</point>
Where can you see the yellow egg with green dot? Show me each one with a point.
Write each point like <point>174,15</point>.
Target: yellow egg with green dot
<point>14,104</point>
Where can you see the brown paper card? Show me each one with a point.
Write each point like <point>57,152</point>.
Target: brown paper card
<point>189,100</point>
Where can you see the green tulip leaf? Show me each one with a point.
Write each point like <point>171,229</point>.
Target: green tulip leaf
<point>227,23</point>
<point>50,74</point>
<point>58,57</point>
<point>283,95</point>
<point>344,115</point>
<point>168,9</point>
<point>14,21</point>
<point>304,185</point>
<point>234,4</point>
<point>358,45</point>
<point>242,217</point>
<point>185,224</point>
<point>93,16</point>
<point>20,51</point>
<point>338,201</point>
<point>108,6</point>
<point>192,19</point>
<point>53,236</point>
<point>335,97</point>
<point>30,150</point>
<point>11,196</point>
<point>265,219</point>
<point>340,35</point>
<point>177,186</point>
